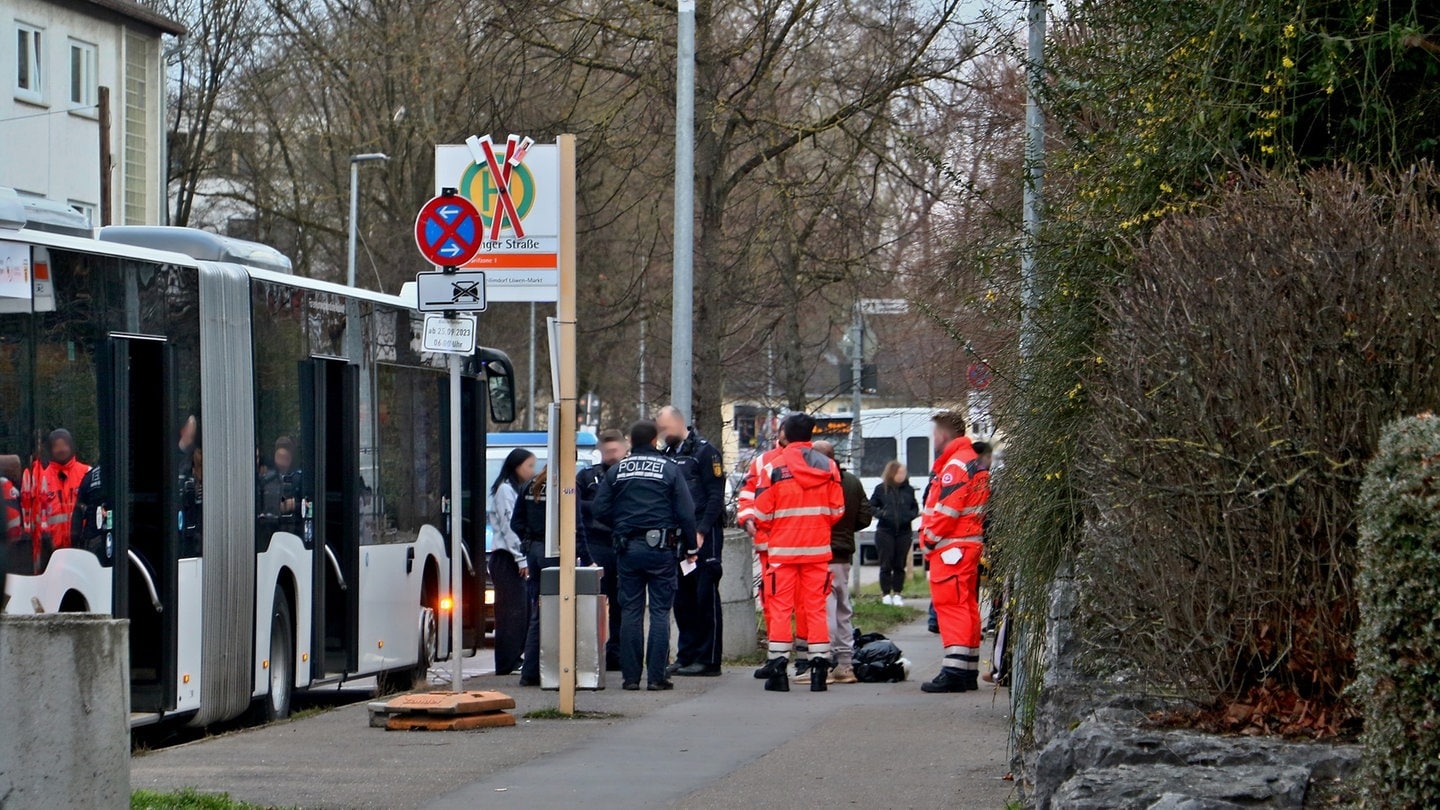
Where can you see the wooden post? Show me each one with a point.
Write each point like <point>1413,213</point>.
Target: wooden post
<point>105,157</point>
<point>564,466</point>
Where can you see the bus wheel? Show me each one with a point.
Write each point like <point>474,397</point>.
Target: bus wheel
<point>282,661</point>
<point>403,680</point>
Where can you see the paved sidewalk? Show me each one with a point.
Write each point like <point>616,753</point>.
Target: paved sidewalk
<point>712,742</point>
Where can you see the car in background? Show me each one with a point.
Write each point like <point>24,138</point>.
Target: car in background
<point>499,445</point>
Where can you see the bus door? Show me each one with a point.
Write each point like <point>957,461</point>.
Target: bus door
<point>140,483</point>
<point>479,610</point>
<point>331,448</point>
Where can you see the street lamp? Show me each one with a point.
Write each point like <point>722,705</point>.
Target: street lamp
<point>355,161</point>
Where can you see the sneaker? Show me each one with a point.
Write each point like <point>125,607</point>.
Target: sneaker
<point>844,673</point>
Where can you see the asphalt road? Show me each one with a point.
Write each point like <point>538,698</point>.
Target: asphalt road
<point>712,742</point>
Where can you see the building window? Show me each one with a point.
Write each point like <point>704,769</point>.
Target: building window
<point>29,84</point>
<point>84,84</point>
<point>86,209</point>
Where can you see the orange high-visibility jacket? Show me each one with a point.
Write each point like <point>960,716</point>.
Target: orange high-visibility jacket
<point>803,501</point>
<point>757,480</point>
<point>955,508</point>
<point>59,490</point>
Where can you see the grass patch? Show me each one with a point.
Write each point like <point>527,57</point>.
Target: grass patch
<point>556,714</point>
<point>915,587</point>
<point>873,617</point>
<point>187,799</point>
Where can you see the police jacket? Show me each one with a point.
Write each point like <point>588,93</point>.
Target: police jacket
<point>644,491</point>
<point>528,520</point>
<point>856,517</point>
<point>803,501</point>
<point>587,485</point>
<point>700,463</point>
<point>955,506</point>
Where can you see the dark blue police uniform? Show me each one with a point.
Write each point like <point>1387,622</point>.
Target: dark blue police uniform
<point>697,600</point>
<point>644,500</point>
<point>602,551</point>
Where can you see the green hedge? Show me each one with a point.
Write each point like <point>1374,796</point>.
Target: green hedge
<point>1398,645</point>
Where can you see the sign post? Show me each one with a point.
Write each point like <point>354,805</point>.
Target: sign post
<point>448,232</point>
<point>567,395</point>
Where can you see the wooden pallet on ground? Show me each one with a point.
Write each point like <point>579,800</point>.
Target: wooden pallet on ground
<point>443,711</point>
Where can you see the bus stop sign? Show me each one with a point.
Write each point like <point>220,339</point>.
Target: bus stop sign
<point>448,230</point>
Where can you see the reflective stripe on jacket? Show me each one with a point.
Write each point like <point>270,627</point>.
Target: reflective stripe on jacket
<point>757,480</point>
<point>955,507</point>
<point>803,501</point>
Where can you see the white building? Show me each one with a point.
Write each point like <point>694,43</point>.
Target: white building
<point>55,56</point>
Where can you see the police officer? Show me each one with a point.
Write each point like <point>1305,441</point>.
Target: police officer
<point>602,547</point>
<point>697,601</point>
<point>645,502</point>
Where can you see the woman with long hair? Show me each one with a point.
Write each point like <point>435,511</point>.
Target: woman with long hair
<point>895,508</point>
<point>508,565</point>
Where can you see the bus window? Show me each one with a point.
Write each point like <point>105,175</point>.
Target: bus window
<point>878,452</point>
<point>917,455</point>
<point>413,475</point>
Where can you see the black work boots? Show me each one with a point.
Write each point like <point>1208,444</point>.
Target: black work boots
<point>774,673</point>
<point>951,679</point>
<point>819,673</point>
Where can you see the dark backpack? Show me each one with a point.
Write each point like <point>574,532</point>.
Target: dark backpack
<point>877,660</point>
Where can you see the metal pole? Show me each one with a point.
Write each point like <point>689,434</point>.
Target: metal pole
<point>857,371</point>
<point>354,212</point>
<point>530,409</point>
<point>643,403</point>
<point>1034,172</point>
<point>457,540</point>
<point>683,305</point>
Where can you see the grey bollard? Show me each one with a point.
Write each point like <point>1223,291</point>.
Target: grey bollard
<point>64,711</point>
<point>737,594</point>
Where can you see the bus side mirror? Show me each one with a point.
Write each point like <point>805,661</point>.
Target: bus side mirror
<point>499,384</point>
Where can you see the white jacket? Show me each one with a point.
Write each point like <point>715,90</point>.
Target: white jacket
<point>499,512</point>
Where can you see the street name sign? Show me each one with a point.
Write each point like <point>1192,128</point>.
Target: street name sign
<point>461,291</point>
<point>449,334</point>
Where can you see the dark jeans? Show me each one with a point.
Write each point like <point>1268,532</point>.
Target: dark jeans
<point>645,569</point>
<point>536,559</point>
<point>892,547</point>
<point>698,616</point>
<point>511,616</point>
<point>603,555</point>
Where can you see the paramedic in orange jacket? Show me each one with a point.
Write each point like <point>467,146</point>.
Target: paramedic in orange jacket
<point>797,509</point>
<point>757,479</point>
<point>58,492</point>
<point>952,535</point>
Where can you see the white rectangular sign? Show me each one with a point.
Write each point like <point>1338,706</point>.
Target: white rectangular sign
<point>534,241</point>
<point>504,284</point>
<point>462,291</point>
<point>452,334</point>
<point>884,306</point>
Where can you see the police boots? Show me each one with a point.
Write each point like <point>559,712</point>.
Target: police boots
<point>774,674</point>
<point>951,679</point>
<point>819,673</point>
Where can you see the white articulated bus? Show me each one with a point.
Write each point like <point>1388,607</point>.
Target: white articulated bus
<point>273,456</point>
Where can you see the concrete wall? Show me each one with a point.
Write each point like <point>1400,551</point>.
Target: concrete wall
<point>737,594</point>
<point>64,712</point>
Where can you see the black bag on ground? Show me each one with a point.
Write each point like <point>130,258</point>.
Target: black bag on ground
<point>877,660</point>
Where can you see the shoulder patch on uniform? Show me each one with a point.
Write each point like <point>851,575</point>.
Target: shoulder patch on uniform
<point>718,471</point>
<point>947,478</point>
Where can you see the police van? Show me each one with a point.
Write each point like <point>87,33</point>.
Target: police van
<point>499,445</point>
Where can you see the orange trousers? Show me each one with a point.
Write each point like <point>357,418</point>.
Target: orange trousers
<point>953,589</point>
<point>797,589</point>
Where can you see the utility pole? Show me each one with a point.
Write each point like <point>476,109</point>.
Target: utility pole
<point>355,161</point>
<point>1034,173</point>
<point>857,371</point>
<point>530,406</point>
<point>683,304</point>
